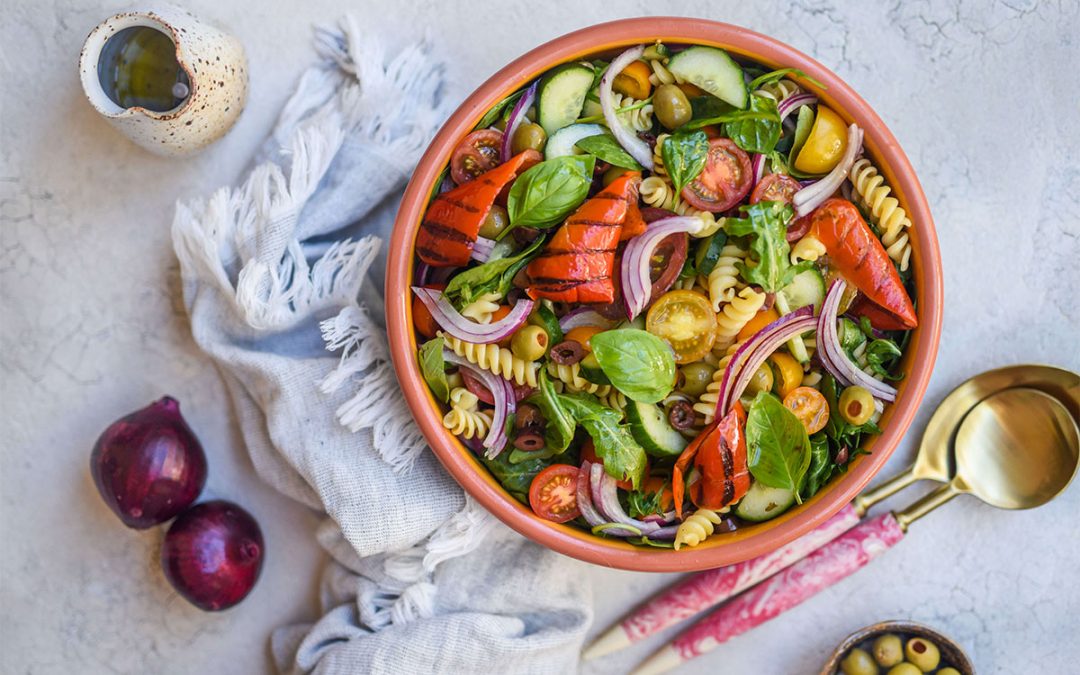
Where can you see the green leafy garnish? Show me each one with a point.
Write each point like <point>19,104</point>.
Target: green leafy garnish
<point>850,335</point>
<point>559,430</point>
<point>756,134</point>
<point>607,149</point>
<point>638,363</point>
<point>495,276</point>
<point>821,466</point>
<point>640,503</point>
<point>685,154</point>
<point>778,449</point>
<point>777,75</point>
<point>708,110</point>
<point>623,458</point>
<point>549,191</point>
<point>880,356</point>
<point>766,224</point>
<point>493,114</point>
<point>433,368</point>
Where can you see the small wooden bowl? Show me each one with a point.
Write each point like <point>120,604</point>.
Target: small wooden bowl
<point>951,652</point>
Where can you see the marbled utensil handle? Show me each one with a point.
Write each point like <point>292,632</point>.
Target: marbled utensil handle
<point>821,569</point>
<point>707,589</point>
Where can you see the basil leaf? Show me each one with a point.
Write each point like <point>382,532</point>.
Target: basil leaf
<point>821,466</point>
<point>778,449</point>
<point>433,368</point>
<point>623,457</point>
<point>515,477</point>
<point>684,156</point>
<point>766,224</point>
<point>638,363</point>
<point>549,191</point>
<point>560,424</point>
<point>607,149</point>
<point>495,276</point>
<point>756,134</point>
<point>777,75</point>
<point>492,115</point>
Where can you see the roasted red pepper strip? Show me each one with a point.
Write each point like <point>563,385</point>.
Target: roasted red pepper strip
<point>453,220</point>
<point>719,454</point>
<point>859,256</point>
<point>634,224</point>
<point>577,264</point>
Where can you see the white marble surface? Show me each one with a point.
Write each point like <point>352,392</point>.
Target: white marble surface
<point>981,94</point>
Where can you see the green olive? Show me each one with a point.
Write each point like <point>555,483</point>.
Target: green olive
<point>529,343</point>
<point>762,380</point>
<point>858,662</point>
<point>671,106</point>
<point>948,671</point>
<point>888,650</point>
<point>528,136</point>
<point>695,378</point>
<point>904,668</point>
<point>922,653</point>
<point>856,405</point>
<point>611,174</point>
<point>495,222</point>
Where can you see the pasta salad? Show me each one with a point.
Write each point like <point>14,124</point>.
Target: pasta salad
<point>663,296</point>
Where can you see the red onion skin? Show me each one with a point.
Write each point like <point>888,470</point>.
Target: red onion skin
<point>149,466</point>
<point>213,554</point>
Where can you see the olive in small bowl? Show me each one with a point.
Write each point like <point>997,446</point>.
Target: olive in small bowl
<point>898,648</point>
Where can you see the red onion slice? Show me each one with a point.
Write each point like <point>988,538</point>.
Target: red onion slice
<point>450,320</point>
<point>584,316</point>
<point>609,502</point>
<point>482,249</point>
<point>833,357</point>
<point>758,166</point>
<point>811,197</point>
<point>422,274</point>
<point>789,105</point>
<point>584,497</point>
<point>514,121</point>
<point>636,285</point>
<point>630,142</point>
<point>503,395</point>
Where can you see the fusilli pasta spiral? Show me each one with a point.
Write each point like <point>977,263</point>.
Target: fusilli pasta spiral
<point>661,75</point>
<point>463,419</point>
<point>495,359</point>
<point>658,156</point>
<point>697,527</point>
<point>658,192</point>
<point>614,399</point>
<point>638,119</point>
<point>706,403</point>
<point>778,90</point>
<point>481,309</point>
<point>724,277</point>
<point>807,248</point>
<point>736,314</point>
<point>871,191</point>
<point>571,376</point>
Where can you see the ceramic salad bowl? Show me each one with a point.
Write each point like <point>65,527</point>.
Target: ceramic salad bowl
<point>607,40</point>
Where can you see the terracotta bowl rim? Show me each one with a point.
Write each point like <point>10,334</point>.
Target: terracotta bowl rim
<point>745,543</point>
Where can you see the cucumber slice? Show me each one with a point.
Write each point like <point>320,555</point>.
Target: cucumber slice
<point>802,131</point>
<point>561,95</point>
<point>714,71</point>
<point>591,371</point>
<point>637,322</point>
<point>708,252</point>
<point>652,431</point>
<point>562,142</point>
<point>807,288</point>
<point>762,502</point>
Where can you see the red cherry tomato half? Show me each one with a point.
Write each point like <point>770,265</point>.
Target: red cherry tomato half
<point>553,493</point>
<point>477,153</point>
<point>776,187</point>
<point>667,262</point>
<point>725,180</point>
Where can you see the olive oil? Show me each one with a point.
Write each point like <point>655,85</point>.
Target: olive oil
<point>138,67</point>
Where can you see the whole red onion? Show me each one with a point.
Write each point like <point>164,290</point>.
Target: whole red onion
<point>212,554</point>
<point>149,466</point>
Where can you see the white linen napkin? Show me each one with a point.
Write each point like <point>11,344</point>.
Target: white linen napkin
<point>283,268</point>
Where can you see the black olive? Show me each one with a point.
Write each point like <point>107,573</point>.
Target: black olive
<point>567,352</point>
<point>682,416</point>
<point>529,440</point>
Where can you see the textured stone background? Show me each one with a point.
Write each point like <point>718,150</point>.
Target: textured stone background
<point>981,94</point>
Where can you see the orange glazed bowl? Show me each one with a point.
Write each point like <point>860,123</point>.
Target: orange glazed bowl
<point>748,541</point>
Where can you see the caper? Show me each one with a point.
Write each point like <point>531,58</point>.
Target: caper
<point>762,380</point>
<point>888,650</point>
<point>613,173</point>
<point>856,405</point>
<point>528,136</point>
<point>671,106</point>
<point>529,343</point>
<point>858,662</point>
<point>904,668</point>
<point>922,654</point>
<point>494,222</point>
<point>695,377</point>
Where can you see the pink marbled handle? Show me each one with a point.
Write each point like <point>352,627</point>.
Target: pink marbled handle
<point>821,569</point>
<point>705,590</point>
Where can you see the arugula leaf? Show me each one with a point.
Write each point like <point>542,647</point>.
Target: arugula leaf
<point>559,430</point>
<point>778,449</point>
<point>607,149</point>
<point>638,363</point>
<point>623,457</point>
<point>685,154</point>
<point>549,191</point>
<point>821,466</point>
<point>840,432</point>
<point>433,368</point>
<point>880,356</point>
<point>493,114</point>
<point>777,75</point>
<point>494,276</point>
<point>707,110</point>
<point>766,224</point>
<point>756,134</point>
<point>515,477</point>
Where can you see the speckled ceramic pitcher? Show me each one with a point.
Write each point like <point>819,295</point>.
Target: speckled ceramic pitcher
<point>209,97</point>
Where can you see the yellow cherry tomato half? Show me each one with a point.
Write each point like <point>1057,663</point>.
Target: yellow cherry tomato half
<point>760,320</point>
<point>809,406</point>
<point>787,373</point>
<point>684,320</point>
<point>582,335</point>
<point>825,145</point>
